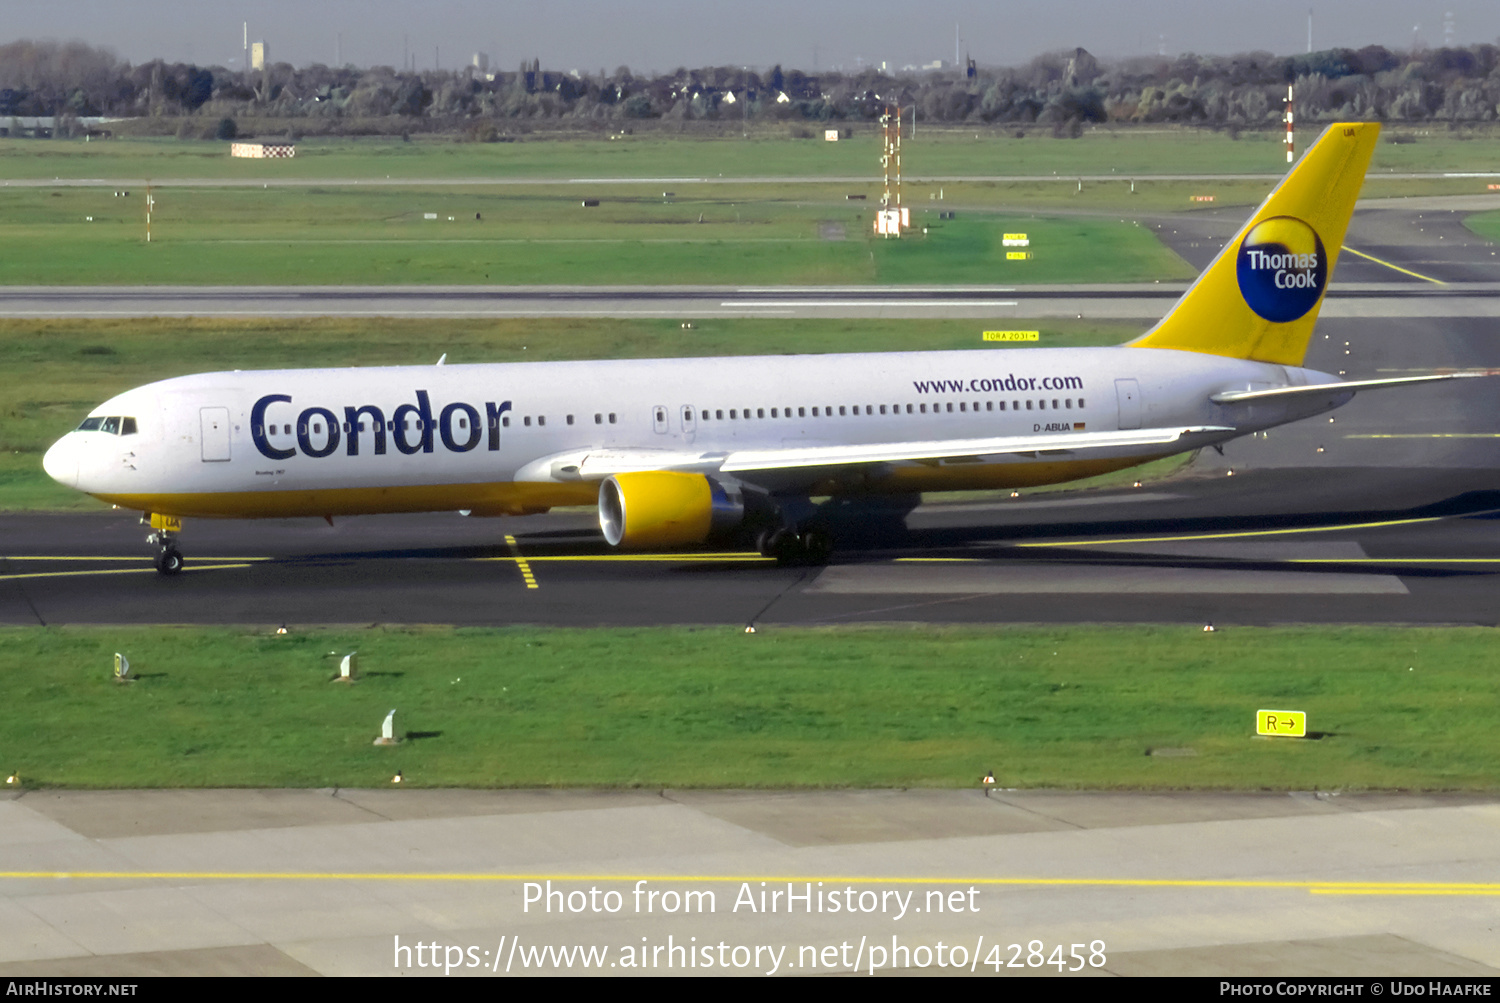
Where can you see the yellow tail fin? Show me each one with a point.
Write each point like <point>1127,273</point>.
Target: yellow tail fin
<point>1260,297</point>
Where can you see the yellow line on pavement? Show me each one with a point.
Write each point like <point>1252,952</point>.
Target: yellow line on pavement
<point>1403,271</point>
<point>1392,560</point>
<point>1312,887</point>
<point>1228,536</point>
<point>57,557</point>
<point>939,560</point>
<point>636,558</point>
<point>521,562</point>
<point>1284,560</point>
<point>115,571</point>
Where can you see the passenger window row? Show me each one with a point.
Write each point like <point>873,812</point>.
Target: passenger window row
<point>850,410</point>
<point>127,426</point>
<point>408,425</point>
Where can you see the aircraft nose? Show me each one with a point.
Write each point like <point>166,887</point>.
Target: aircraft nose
<point>61,461</point>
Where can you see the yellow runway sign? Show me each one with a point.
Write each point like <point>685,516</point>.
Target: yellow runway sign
<point>1286,723</point>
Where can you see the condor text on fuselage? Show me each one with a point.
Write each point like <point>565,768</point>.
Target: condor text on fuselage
<point>318,431</point>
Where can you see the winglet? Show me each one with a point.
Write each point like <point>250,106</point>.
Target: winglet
<point>1260,297</point>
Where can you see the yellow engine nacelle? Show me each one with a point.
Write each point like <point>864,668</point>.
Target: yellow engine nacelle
<point>658,508</point>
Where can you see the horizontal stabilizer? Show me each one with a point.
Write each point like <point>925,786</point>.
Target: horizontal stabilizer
<point>1235,396</point>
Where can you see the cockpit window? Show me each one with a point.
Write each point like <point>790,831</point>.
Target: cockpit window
<point>113,424</point>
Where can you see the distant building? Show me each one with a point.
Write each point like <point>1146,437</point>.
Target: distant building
<point>263,151</point>
<point>258,55</point>
<point>481,62</point>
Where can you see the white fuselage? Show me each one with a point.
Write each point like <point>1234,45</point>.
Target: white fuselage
<point>478,437</point>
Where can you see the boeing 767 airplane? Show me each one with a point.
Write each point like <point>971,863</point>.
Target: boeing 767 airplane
<point>675,450</point>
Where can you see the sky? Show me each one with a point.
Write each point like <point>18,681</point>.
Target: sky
<point>661,35</point>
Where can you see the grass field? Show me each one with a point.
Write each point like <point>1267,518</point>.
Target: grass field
<point>934,152</point>
<point>1486,224</point>
<point>542,235</point>
<point>328,228</point>
<point>881,707</point>
<point>52,373</point>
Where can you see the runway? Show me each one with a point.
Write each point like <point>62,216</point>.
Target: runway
<point>1383,298</point>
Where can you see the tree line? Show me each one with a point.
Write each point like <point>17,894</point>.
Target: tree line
<point>1064,90</point>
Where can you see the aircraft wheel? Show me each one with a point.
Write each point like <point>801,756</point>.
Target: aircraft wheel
<point>785,547</point>
<point>764,540</point>
<point>817,547</point>
<point>169,561</point>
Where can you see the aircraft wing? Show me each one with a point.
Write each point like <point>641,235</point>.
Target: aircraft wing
<point>595,465</point>
<point>793,457</point>
<point>1235,396</point>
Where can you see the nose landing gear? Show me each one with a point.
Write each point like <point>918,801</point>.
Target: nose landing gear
<point>163,536</point>
<point>168,557</point>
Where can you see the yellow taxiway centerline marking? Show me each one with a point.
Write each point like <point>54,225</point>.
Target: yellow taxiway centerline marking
<point>1284,560</point>
<point>629,558</point>
<point>1424,435</point>
<point>1392,560</point>
<point>114,571</point>
<point>521,562</point>
<point>1403,271</point>
<point>685,557</point>
<point>1227,536</point>
<point>1312,887</point>
<point>54,557</point>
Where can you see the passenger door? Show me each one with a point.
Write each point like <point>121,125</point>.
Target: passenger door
<point>1129,393</point>
<point>214,422</point>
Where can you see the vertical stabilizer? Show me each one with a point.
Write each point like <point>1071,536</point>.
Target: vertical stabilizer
<point>1260,297</point>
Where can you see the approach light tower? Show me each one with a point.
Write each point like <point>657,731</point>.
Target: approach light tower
<point>1289,146</point>
<point>892,218</point>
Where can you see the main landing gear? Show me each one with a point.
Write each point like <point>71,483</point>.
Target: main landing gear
<point>791,548</point>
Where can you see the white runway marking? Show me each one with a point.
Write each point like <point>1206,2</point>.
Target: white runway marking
<point>865,304</point>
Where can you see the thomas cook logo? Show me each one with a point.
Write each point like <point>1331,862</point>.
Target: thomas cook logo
<point>1282,269</point>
